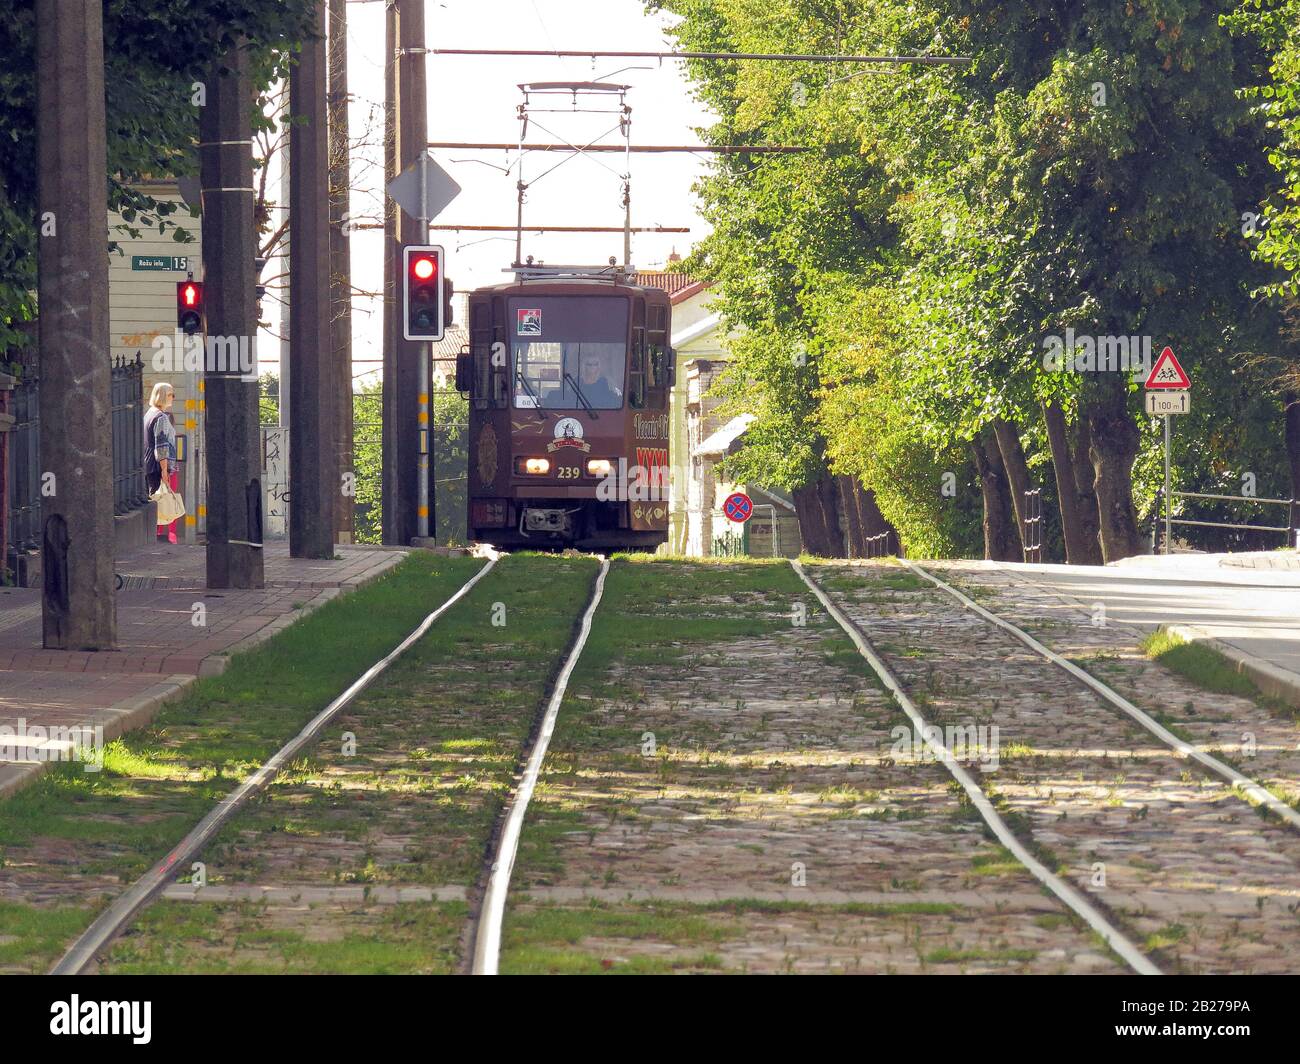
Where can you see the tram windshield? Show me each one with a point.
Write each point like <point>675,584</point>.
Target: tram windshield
<point>554,375</point>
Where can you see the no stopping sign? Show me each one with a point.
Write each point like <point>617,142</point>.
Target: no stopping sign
<point>738,507</point>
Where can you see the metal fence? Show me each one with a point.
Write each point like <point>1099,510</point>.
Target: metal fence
<point>129,492</point>
<point>125,389</point>
<point>1289,530</point>
<point>25,466</point>
<point>1032,530</point>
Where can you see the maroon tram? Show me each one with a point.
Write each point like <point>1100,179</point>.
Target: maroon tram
<point>568,374</point>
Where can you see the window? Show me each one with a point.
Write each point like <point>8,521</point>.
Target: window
<point>560,375</point>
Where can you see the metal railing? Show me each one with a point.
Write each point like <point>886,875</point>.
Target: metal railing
<point>126,391</point>
<point>1032,528</point>
<point>878,545</point>
<point>1288,530</point>
<point>129,493</point>
<point>25,466</point>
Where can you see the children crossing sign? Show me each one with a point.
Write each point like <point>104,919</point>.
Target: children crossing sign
<point>1168,373</point>
<point>1167,393</point>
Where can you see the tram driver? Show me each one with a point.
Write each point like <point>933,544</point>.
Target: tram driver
<point>594,377</point>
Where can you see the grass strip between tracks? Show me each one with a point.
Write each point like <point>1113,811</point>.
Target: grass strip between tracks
<point>76,837</point>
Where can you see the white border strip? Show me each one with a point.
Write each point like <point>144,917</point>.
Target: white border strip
<point>1257,792</point>
<point>120,913</point>
<point>1132,956</point>
<point>487,945</point>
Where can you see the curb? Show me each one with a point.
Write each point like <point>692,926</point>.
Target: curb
<point>139,710</point>
<point>1271,679</point>
<point>116,720</point>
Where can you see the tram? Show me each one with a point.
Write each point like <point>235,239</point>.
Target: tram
<point>567,372</point>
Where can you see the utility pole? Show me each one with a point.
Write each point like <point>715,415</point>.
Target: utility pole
<point>314,480</point>
<point>407,125</point>
<point>234,550</point>
<point>341,257</point>
<point>78,609</point>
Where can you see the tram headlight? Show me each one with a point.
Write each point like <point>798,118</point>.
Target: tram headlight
<point>599,467</point>
<point>534,466</point>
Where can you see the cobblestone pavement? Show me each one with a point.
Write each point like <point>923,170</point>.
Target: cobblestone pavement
<point>1189,866</point>
<point>772,827</point>
<point>171,629</point>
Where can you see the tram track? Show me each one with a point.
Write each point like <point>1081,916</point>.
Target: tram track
<point>120,912</point>
<point>1099,781</point>
<point>1069,896</point>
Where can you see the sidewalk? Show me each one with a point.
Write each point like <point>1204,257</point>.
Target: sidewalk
<point>162,648</point>
<point>1246,606</point>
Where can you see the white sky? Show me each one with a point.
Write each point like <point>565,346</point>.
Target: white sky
<point>474,99</point>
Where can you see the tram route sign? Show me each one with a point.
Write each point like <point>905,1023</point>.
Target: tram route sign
<point>739,507</point>
<point>439,188</point>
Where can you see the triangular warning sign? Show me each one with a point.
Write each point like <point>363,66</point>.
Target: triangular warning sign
<point>1168,372</point>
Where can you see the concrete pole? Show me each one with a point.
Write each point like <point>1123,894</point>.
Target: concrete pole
<point>78,609</point>
<point>314,479</point>
<point>341,257</point>
<point>234,458</point>
<point>402,357</point>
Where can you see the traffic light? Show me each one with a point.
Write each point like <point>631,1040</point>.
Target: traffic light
<point>189,306</point>
<point>422,298</point>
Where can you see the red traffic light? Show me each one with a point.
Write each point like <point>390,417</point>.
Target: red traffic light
<point>423,312</point>
<point>189,306</point>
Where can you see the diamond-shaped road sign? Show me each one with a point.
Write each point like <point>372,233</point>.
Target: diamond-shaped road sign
<point>440,189</point>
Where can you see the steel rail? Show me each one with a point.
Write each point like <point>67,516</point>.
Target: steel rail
<point>1255,790</point>
<point>120,913</point>
<point>1071,897</point>
<point>487,942</point>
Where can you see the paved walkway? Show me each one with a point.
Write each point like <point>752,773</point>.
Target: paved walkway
<point>1246,605</point>
<point>171,630</point>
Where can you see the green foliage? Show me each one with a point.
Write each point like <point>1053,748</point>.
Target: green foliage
<point>896,283</point>
<point>368,460</point>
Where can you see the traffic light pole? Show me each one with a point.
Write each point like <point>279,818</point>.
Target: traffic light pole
<point>403,386</point>
<point>425,427</point>
<point>78,609</point>
<point>234,525</point>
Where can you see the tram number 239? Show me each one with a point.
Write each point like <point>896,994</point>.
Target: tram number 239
<point>570,472</point>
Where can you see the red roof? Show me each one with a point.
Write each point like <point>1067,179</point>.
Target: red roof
<point>679,286</point>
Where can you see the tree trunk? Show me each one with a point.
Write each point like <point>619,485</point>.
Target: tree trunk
<point>819,525</point>
<point>1081,460</point>
<point>855,541</point>
<point>1017,469</point>
<point>1113,448</point>
<point>1000,540</point>
<point>1078,514</point>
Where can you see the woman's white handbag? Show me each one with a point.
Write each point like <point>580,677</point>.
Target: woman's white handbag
<point>170,505</point>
